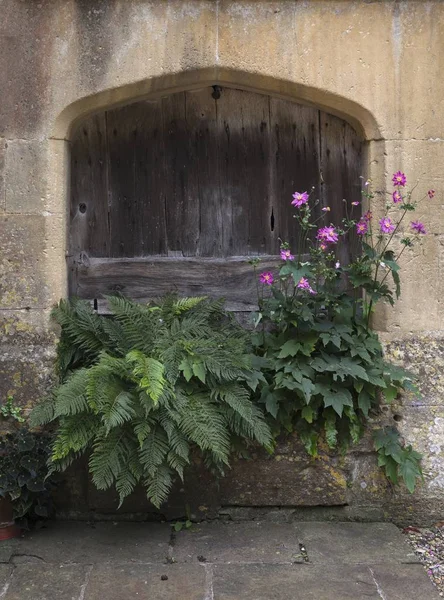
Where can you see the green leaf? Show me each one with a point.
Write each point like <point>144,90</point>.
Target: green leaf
<point>290,348</point>
<point>307,413</point>
<point>410,469</point>
<point>199,371</point>
<point>364,402</point>
<point>272,405</point>
<point>186,368</point>
<point>390,393</point>
<point>337,400</point>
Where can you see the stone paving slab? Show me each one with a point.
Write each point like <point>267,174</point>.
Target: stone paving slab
<point>80,542</point>
<point>404,582</point>
<point>354,543</point>
<point>296,582</point>
<point>147,582</point>
<point>251,542</point>
<point>213,561</point>
<point>5,572</point>
<point>46,582</point>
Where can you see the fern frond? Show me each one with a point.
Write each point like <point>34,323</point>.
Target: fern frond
<point>43,413</point>
<point>149,371</point>
<point>70,398</point>
<point>205,426</point>
<point>75,434</point>
<point>108,458</point>
<point>154,450</point>
<point>159,485</point>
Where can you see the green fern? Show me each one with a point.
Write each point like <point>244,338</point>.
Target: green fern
<point>142,390</point>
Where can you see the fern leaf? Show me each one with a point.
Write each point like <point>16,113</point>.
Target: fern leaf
<point>154,450</point>
<point>109,457</point>
<point>43,413</point>
<point>159,485</point>
<point>150,373</point>
<point>70,398</point>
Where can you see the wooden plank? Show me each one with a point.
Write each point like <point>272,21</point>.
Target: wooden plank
<point>340,163</point>
<point>256,172</point>
<point>123,208</point>
<point>149,180</point>
<point>89,229</point>
<point>181,192</point>
<point>202,158</point>
<point>295,151</point>
<point>232,180</point>
<point>233,279</point>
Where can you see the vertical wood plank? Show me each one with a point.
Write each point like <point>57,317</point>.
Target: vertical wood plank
<point>256,156</point>
<point>123,210</point>
<point>202,127</point>
<point>89,231</point>
<point>295,151</point>
<point>182,199</point>
<point>340,164</point>
<point>149,179</point>
<point>232,173</point>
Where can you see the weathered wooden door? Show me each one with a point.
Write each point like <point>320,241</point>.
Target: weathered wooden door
<point>176,194</point>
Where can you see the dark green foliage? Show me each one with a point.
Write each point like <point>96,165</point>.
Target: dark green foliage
<point>325,372</point>
<point>397,460</point>
<point>24,473</point>
<point>138,391</point>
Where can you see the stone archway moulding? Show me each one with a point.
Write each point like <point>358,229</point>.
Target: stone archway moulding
<point>356,114</point>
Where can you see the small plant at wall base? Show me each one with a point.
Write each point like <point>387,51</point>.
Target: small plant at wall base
<point>141,390</point>
<point>325,370</point>
<point>24,477</point>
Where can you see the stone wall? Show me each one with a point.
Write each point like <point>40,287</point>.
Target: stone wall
<point>377,64</point>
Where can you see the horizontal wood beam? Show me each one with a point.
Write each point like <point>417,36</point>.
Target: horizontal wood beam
<point>233,279</point>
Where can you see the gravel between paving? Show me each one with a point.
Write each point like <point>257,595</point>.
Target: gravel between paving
<point>428,543</point>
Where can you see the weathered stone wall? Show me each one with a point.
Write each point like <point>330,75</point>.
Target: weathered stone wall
<point>378,64</point>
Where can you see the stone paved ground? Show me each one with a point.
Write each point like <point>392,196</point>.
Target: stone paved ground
<point>213,561</point>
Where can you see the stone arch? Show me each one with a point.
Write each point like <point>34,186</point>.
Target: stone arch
<point>356,114</point>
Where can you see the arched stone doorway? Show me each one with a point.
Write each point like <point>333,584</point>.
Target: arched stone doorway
<point>177,193</point>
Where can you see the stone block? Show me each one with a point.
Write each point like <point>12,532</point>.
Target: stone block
<point>354,543</point>
<point>299,582</point>
<point>29,275</point>
<point>285,480</point>
<point>5,574</point>
<point>256,542</point>
<point>46,582</point>
<point>27,356</point>
<point>71,542</point>
<point>2,175</point>
<point>403,582</point>
<point>162,582</point>
<point>26,175</point>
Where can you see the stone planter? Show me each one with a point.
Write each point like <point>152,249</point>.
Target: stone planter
<point>8,529</point>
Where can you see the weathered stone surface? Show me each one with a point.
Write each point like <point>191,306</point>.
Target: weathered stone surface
<point>145,582</point>
<point>288,478</point>
<point>241,564</point>
<point>5,574</point>
<point>46,582</point>
<point>2,175</point>
<point>354,543</point>
<point>255,542</point>
<point>25,171</point>
<point>22,262</point>
<point>403,582</point>
<point>27,355</point>
<point>65,542</point>
<point>298,582</point>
